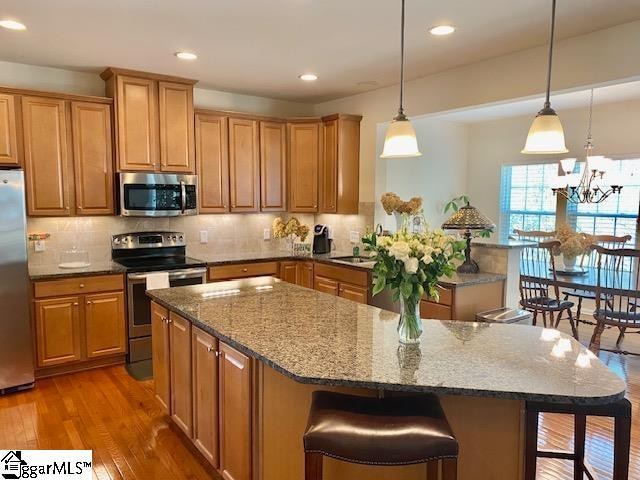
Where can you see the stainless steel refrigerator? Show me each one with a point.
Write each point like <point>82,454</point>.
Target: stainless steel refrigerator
<point>16,358</point>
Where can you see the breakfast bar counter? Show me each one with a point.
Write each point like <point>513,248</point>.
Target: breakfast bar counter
<point>301,340</point>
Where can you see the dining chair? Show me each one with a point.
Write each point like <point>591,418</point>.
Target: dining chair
<point>539,291</point>
<point>617,294</point>
<point>589,262</point>
<point>534,235</point>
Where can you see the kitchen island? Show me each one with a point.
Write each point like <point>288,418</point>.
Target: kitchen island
<point>285,341</point>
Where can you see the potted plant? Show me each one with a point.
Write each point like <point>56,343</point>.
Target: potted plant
<point>410,264</point>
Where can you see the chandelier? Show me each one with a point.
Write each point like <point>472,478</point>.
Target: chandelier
<point>589,186</point>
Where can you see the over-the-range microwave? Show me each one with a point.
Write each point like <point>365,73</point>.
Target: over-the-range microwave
<point>158,195</point>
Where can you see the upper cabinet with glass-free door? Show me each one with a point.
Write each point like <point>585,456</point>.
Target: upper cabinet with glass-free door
<point>8,131</point>
<point>154,121</point>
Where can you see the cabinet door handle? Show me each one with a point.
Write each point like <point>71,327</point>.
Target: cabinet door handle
<point>245,270</point>
<point>75,304</point>
<point>169,320</point>
<point>89,302</point>
<point>81,285</point>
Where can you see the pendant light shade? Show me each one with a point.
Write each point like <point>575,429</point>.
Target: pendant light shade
<point>400,141</point>
<point>546,135</point>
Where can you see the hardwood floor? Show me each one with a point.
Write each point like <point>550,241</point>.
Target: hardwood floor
<point>107,411</point>
<point>118,418</point>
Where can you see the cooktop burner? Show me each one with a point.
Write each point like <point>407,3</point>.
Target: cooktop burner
<point>152,251</point>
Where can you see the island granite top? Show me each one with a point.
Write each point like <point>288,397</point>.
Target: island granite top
<point>317,338</point>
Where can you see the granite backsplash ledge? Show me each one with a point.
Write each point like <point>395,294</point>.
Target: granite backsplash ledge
<point>227,233</point>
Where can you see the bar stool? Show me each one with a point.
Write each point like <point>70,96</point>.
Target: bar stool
<point>379,431</point>
<point>620,411</point>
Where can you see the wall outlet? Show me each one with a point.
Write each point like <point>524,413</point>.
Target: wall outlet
<point>266,234</point>
<point>354,236</point>
<point>204,236</point>
<point>39,246</point>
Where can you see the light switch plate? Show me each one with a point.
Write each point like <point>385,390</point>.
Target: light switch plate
<point>354,236</point>
<point>266,234</point>
<point>39,246</point>
<point>204,236</point>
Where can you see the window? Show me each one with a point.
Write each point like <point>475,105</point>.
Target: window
<point>526,200</point>
<point>617,215</point>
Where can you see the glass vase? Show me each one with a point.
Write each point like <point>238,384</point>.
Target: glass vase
<point>410,323</point>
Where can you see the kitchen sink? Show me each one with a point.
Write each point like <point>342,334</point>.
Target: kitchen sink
<point>353,259</point>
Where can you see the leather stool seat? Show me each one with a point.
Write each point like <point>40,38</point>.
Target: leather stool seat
<point>388,431</point>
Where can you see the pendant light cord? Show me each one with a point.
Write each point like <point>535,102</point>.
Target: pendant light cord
<point>401,115</point>
<point>547,102</point>
<point>589,145</point>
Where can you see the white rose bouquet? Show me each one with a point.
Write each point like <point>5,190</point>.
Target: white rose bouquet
<point>410,264</point>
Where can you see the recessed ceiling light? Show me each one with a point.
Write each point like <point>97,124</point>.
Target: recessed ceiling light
<point>186,55</point>
<point>308,77</point>
<point>12,25</point>
<point>440,30</point>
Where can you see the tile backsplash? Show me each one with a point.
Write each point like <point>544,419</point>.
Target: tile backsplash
<point>227,233</point>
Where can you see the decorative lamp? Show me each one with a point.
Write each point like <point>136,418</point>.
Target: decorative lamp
<point>468,218</point>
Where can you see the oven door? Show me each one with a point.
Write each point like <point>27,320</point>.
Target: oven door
<point>139,307</point>
<point>157,195</point>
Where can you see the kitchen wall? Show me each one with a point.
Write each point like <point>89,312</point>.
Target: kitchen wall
<point>68,81</point>
<point>600,57</point>
<point>437,176</point>
<point>227,234</point>
<point>495,143</point>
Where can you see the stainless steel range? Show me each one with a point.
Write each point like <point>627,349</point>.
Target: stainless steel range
<point>140,254</point>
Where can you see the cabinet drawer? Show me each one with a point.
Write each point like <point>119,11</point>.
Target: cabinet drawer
<point>78,285</point>
<point>434,311</point>
<point>353,276</point>
<point>445,296</point>
<point>242,270</point>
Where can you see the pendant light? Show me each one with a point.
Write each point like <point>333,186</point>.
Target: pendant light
<point>546,135</point>
<point>400,141</point>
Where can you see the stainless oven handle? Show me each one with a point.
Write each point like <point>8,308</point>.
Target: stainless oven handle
<point>183,196</point>
<point>173,274</point>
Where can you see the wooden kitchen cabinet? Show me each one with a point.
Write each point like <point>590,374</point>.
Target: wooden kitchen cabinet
<point>244,165</point>
<point>273,166</point>
<point>340,164</point>
<point>304,151</point>
<point>46,156</point>
<point>80,323</point>
<point>242,270</point>
<point>105,330</point>
<point>180,372</point>
<point>464,301</point>
<point>8,131</point>
<point>305,274</point>
<point>154,121</point>
<point>204,364</point>
<point>136,108</point>
<point>160,355</point>
<point>289,271</point>
<point>176,127</point>
<point>58,337</point>
<point>92,158</point>
<point>235,414</point>
<point>326,285</point>
<point>353,292</point>
<point>212,162</point>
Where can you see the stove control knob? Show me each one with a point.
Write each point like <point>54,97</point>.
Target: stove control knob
<point>173,238</point>
<point>181,238</point>
<point>116,240</point>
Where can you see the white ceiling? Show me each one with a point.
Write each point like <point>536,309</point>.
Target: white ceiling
<point>260,46</point>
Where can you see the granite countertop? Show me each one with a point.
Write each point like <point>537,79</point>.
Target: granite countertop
<point>51,272</point>
<point>504,244</point>
<point>320,339</point>
<point>106,267</point>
